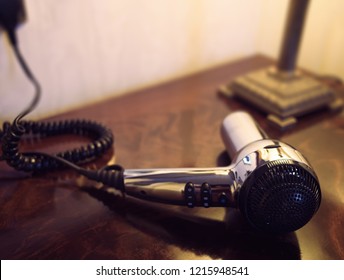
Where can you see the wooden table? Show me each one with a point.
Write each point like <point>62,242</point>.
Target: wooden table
<point>175,124</point>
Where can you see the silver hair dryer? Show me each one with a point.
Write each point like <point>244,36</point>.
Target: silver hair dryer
<point>271,183</point>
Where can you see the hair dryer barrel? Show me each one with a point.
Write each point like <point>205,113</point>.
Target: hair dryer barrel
<point>238,130</point>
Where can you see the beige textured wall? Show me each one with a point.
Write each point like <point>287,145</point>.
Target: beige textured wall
<point>88,50</point>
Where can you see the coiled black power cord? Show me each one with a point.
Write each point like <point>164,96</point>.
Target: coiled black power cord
<point>33,162</point>
<point>12,134</point>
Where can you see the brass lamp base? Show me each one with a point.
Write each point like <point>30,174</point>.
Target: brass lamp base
<point>284,96</point>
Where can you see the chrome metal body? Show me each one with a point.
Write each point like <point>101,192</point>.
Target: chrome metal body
<point>169,185</point>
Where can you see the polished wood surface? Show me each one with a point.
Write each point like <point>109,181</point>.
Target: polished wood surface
<point>176,124</point>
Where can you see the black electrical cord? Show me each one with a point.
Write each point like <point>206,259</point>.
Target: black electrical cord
<point>12,133</point>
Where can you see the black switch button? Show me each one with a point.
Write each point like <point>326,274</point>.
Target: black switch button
<point>223,199</point>
<point>189,195</point>
<point>206,195</point>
